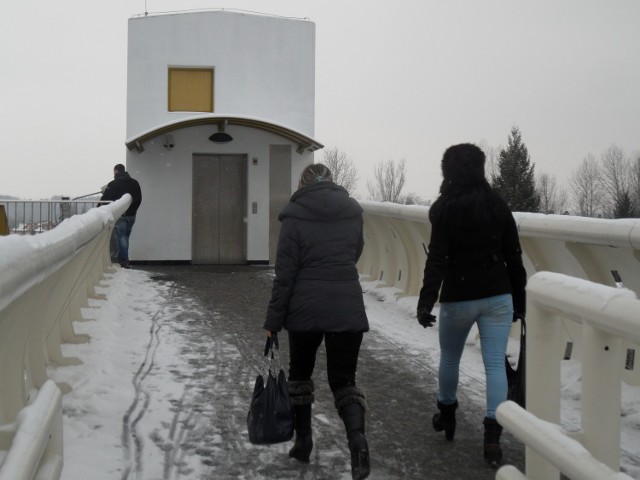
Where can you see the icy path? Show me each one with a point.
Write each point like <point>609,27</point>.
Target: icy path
<point>166,379</point>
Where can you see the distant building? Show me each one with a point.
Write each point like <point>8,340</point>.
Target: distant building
<point>220,123</point>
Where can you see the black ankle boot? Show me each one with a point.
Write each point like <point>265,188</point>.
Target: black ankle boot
<point>301,449</point>
<point>446,420</point>
<point>350,403</point>
<point>492,450</point>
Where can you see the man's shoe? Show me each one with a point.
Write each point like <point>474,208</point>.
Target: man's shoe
<point>125,265</point>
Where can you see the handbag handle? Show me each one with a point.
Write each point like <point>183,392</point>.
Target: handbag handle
<point>271,342</point>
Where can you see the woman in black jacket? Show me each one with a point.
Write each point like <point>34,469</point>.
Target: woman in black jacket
<point>317,295</point>
<point>474,264</point>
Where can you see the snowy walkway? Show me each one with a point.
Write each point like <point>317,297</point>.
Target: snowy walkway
<point>168,374</point>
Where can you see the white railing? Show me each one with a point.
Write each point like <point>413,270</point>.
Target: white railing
<point>608,318</point>
<point>397,237</point>
<point>45,280</point>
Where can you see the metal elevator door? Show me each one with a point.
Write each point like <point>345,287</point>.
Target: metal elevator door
<point>218,228</point>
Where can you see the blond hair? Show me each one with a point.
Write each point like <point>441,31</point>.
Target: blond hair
<point>314,173</point>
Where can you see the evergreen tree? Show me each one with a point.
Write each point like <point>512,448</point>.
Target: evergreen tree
<point>516,180</point>
<point>624,207</point>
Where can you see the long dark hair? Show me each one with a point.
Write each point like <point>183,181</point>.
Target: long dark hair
<point>466,199</point>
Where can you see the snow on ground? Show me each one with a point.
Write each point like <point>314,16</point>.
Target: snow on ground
<point>125,348</point>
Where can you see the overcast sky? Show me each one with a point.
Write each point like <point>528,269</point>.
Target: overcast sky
<point>395,80</point>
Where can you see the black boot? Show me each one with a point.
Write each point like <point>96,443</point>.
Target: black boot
<point>302,397</point>
<point>351,405</point>
<point>492,450</point>
<point>301,449</point>
<point>446,420</point>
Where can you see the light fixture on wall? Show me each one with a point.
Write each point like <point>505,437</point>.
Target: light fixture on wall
<point>221,136</point>
<point>168,142</point>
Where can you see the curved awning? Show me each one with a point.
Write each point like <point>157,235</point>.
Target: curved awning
<point>303,141</point>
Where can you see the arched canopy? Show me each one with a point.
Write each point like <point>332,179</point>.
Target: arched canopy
<point>303,141</point>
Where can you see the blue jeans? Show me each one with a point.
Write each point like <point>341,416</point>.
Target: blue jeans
<point>123,228</point>
<point>494,316</point>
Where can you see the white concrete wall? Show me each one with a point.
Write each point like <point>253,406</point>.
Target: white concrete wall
<point>163,224</point>
<point>264,66</point>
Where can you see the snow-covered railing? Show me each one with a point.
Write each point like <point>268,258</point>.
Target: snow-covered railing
<point>609,318</point>
<point>553,444</point>
<point>44,281</point>
<point>397,238</point>
<point>27,217</point>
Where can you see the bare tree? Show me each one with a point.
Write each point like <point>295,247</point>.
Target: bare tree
<point>342,167</point>
<point>586,187</point>
<point>492,155</point>
<point>615,173</point>
<point>388,181</point>
<point>634,181</point>
<point>552,198</point>
<point>562,200</point>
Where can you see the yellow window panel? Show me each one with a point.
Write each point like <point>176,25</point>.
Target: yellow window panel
<point>190,90</point>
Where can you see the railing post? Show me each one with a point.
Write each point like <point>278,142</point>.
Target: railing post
<point>544,334</point>
<point>602,366</point>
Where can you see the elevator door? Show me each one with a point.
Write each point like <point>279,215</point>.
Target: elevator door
<point>218,224</point>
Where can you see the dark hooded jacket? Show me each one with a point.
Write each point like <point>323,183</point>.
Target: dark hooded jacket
<point>122,184</point>
<point>316,288</point>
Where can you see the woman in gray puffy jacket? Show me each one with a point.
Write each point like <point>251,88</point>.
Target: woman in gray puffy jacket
<point>317,296</point>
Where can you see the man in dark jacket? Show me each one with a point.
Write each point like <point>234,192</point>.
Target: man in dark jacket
<point>317,296</point>
<point>121,184</point>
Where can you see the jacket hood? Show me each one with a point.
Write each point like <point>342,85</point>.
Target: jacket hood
<point>321,201</point>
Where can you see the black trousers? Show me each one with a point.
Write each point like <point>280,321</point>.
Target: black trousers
<point>342,356</point>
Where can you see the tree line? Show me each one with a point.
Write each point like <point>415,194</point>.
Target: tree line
<point>607,187</point>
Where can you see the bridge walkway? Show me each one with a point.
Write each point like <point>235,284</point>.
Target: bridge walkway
<point>400,391</point>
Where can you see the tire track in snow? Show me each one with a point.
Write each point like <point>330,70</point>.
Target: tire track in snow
<point>132,441</point>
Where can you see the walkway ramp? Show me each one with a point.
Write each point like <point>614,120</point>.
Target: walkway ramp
<point>189,383</point>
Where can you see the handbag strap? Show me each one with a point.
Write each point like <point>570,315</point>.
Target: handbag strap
<point>272,361</point>
<point>271,342</point>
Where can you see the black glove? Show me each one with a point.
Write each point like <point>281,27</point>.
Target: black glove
<point>425,318</point>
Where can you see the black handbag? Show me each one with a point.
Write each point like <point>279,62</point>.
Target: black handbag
<point>516,377</point>
<point>270,417</point>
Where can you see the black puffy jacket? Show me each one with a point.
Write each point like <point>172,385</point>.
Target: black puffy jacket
<point>122,184</point>
<point>316,288</point>
<point>469,260</point>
